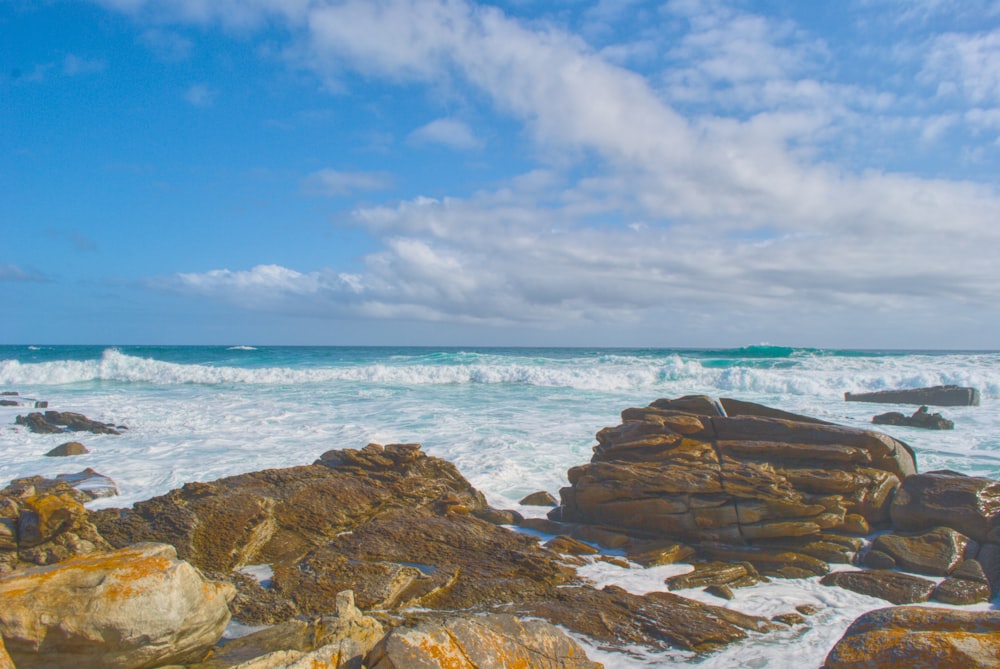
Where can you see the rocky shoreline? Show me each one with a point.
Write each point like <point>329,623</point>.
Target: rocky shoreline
<point>742,492</point>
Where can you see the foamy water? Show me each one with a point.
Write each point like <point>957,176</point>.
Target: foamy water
<point>513,421</point>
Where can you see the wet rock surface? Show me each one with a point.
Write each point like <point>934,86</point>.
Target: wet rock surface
<point>919,637</point>
<point>891,586</point>
<point>56,422</point>
<point>921,418</point>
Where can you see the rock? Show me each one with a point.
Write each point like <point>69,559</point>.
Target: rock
<point>55,422</point>
<point>69,448</point>
<point>969,504</point>
<point>570,546</point>
<point>43,521</point>
<point>777,563</point>
<point>680,470</point>
<point>540,498</point>
<point>732,574</point>
<point>382,521</point>
<point>654,554</point>
<point>875,559</point>
<point>135,607</point>
<point>720,591</point>
<point>92,484</point>
<point>961,592</point>
<point>479,642</point>
<point>35,422</point>
<point>920,418</point>
<point>41,404</point>
<point>498,516</point>
<point>5,661</point>
<point>936,552</point>
<point>888,585</point>
<point>340,640</point>
<point>919,637</point>
<point>9,403</point>
<point>789,619</point>
<point>942,396</point>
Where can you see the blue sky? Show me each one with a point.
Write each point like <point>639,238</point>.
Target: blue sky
<point>444,172</point>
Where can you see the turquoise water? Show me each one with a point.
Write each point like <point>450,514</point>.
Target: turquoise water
<point>512,420</point>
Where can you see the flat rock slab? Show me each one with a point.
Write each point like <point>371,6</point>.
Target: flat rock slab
<point>919,637</point>
<point>942,396</point>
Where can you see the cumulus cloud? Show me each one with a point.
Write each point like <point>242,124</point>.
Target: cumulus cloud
<point>447,132</point>
<point>717,212</point>
<point>335,183</point>
<point>200,95</point>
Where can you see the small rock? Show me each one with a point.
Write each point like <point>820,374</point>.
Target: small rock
<point>8,403</point>
<point>41,404</point>
<point>808,609</point>
<point>920,418</point>
<point>720,591</point>
<point>69,448</point>
<point>961,592</point>
<point>570,546</point>
<point>90,483</point>
<point>540,498</point>
<point>789,619</point>
<point>734,574</point>
<point>876,559</point>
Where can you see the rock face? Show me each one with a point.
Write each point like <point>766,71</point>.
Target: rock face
<point>920,418</point>
<point>969,504</point>
<point>479,642</point>
<point>681,469</point>
<point>400,529</point>
<point>942,396</point>
<point>134,608</point>
<point>919,637</point>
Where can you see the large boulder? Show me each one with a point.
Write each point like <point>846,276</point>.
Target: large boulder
<point>919,637</point>
<point>479,642</point>
<point>969,504</point>
<point>936,552</point>
<point>891,586</point>
<point>134,608</point>
<point>681,469</point>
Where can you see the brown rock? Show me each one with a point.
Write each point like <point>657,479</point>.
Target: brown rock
<point>137,607</point>
<point>479,642</point>
<point>921,418</point>
<point>919,637</point>
<point>69,448</point>
<point>889,585</point>
<point>540,498</point>
<point>5,661</point>
<point>570,546</point>
<point>789,619</point>
<point>935,553</point>
<point>961,592</point>
<point>969,504</point>
<point>777,563</point>
<point>732,574</point>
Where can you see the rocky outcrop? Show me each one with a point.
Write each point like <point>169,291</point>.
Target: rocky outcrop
<point>942,396</point>
<point>56,422</point>
<point>683,469</point>
<point>43,521</point>
<point>479,642</point>
<point>969,504</point>
<point>133,608</point>
<point>338,641</point>
<point>920,418</point>
<point>919,637</point>
<point>401,530</point>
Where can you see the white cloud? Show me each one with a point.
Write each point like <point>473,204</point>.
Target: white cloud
<point>447,132</point>
<point>10,272</point>
<point>334,183</point>
<point>200,95</point>
<point>968,63</point>
<point>167,45</point>
<point>75,65</point>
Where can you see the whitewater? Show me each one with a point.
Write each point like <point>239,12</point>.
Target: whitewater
<point>512,420</point>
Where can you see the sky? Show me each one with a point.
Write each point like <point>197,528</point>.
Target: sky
<point>522,172</point>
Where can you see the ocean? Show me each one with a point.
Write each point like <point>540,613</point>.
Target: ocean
<point>513,420</point>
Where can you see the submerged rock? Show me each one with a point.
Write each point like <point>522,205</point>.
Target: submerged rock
<point>919,637</point>
<point>136,607</point>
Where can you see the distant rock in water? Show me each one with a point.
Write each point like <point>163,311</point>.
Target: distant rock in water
<point>56,422</point>
<point>67,449</point>
<point>920,418</point>
<point>942,396</point>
